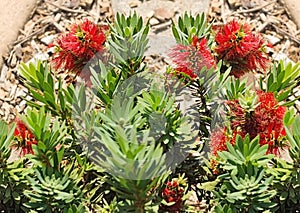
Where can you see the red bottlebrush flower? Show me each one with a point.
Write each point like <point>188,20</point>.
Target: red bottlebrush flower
<point>242,49</point>
<point>269,118</point>
<point>192,58</point>
<point>266,121</point>
<point>173,193</point>
<point>76,48</point>
<point>220,136</point>
<point>25,138</point>
<point>218,141</point>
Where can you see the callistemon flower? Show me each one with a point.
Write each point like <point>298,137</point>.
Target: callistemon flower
<point>173,192</point>
<point>241,48</point>
<point>78,46</point>
<point>266,120</point>
<point>190,59</point>
<point>220,136</point>
<point>218,141</point>
<point>24,137</point>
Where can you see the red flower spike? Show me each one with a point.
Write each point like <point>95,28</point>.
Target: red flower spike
<point>219,138</point>
<point>24,137</point>
<point>76,48</point>
<point>240,48</point>
<point>266,121</point>
<point>190,59</point>
<point>218,141</point>
<point>173,193</point>
<point>269,117</point>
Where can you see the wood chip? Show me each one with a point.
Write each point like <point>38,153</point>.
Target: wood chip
<point>14,60</point>
<point>150,14</point>
<point>86,3</point>
<point>273,39</point>
<point>105,7</point>
<point>163,14</point>
<point>234,3</point>
<point>3,74</point>
<point>48,39</point>
<point>71,3</point>
<point>134,4</point>
<point>153,21</point>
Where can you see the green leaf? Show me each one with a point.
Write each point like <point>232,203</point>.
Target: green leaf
<point>289,117</point>
<point>127,31</point>
<point>209,186</point>
<point>6,136</point>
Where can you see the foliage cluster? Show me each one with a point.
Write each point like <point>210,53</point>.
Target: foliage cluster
<point>118,138</point>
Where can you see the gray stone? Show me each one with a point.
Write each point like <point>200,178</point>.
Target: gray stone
<point>293,7</point>
<point>14,13</point>
<point>163,13</point>
<point>160,44</point>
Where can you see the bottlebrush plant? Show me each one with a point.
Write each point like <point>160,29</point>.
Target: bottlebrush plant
<point>118,138</point>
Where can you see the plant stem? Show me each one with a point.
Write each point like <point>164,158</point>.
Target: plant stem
<point>140,207</point>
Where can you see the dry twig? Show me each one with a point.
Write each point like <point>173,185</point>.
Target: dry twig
<point>255,9</point>
<point>284,33</point>
<point>67,9</point>
<point>39,31</point>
